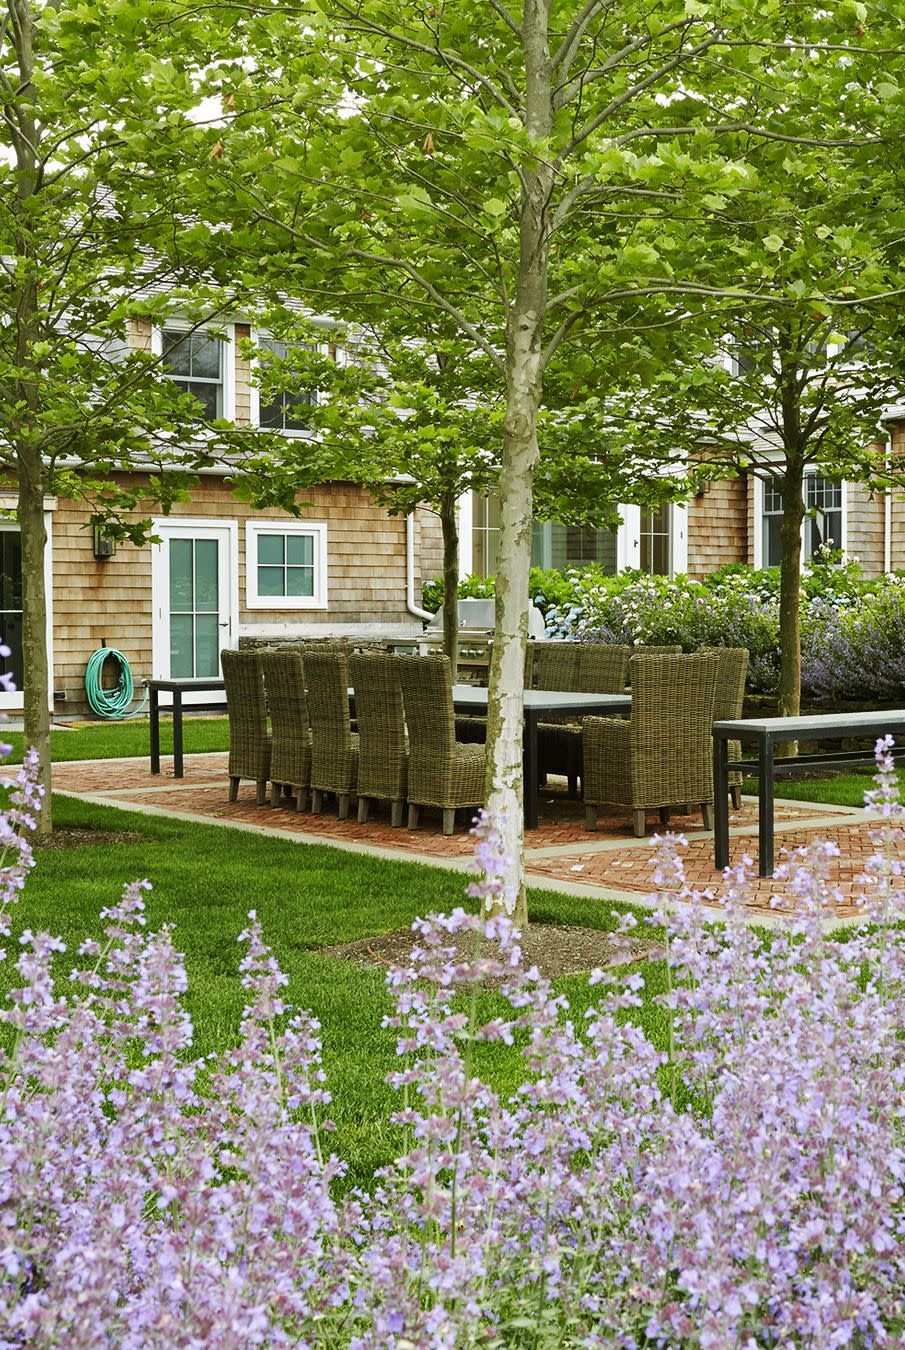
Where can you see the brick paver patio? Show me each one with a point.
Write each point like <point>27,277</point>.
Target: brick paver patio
<point>607,864</point>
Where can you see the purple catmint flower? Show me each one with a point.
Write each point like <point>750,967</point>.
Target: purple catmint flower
<point>719,1160</point>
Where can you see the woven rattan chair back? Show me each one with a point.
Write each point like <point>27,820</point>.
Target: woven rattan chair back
<point>334,746</point>
<point>602,667</point>
<point>729,702</point>
<point>556,665</point>
<point>442,772</point>
<point>382,747</point>
<point>249,738</point>
<point>642,649</point>
<point>287,702</point>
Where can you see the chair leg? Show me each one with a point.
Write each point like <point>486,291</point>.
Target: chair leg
<point>396,814</point>
<point>639,824</point>
<point>301,799</point>
<point>342,801</point>
<point>414,812</point>
<point>233,789</point>
<point>573,786</point>
<point>274,794</point>
<point>590,817</point>
<point>262,792</point>
<point>664,815</point>
<point>363,808</point>
<point>317,801</point>
<point>686,809</point>
<point>707,813</point>
<point>449,820</point>
<point>735,792</point>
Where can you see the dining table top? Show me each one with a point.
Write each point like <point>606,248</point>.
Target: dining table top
<point>547,700</point>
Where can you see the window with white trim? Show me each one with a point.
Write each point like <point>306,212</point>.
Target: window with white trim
<point>285,411</point>
<point>822,526</point>
<point>194,361</point>
<point>286,565</point>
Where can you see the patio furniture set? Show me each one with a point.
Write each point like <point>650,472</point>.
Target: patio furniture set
<point>318,721</point>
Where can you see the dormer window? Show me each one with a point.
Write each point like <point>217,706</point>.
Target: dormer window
<point>194,361</point>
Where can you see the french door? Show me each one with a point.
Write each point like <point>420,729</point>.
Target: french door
<point>195,598</point>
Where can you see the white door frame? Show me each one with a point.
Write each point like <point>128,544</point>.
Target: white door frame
<point>225,532</point>
<point>14,701</point>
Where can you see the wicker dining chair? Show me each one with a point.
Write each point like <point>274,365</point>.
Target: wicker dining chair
<point>287,702</point>
<point>442,771</point>
<point>556,665</point>
<point>249,738</point>
<point>662,756</point>
<point>472,728</point>
<point>729,703</point>
<point>602,668</point>
<point>334,745</point>
<point>382,746</point>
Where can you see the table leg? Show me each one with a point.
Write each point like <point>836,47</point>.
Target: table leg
<point>765,809</point>
<point>720,802</point>
<point>177,734</point>
<point>530,786</point>
<point>154,728</point>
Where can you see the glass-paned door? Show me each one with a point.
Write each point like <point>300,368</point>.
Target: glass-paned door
<point>194,599</point>
<point>194,608</point>
<point>11,602</point>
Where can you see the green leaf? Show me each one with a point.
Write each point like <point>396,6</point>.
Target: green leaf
<point>772,243</point>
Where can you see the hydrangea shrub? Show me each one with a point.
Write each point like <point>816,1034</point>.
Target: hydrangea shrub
<point>740,1186</point>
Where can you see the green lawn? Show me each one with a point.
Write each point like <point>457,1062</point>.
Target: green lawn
<point>117,740</point>
<point>205,880</point>
<point>846,789</point>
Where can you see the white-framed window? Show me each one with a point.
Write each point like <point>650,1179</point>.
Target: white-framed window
<point>282,410</point>
<point>198,363</point>
<point>825,523</point>
<point>285,564</point>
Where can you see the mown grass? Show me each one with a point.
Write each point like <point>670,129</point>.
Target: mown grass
<point>121,740</point>
<point>206,879</point>
<point>844,789</point>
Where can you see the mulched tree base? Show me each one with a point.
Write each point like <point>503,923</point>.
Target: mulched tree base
<point>82,838</point>
<point>555,949</point>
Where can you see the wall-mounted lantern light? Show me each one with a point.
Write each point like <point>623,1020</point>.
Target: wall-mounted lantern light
<point>104,544</point>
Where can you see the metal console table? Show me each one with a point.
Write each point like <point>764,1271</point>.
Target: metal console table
<point>177,688</point>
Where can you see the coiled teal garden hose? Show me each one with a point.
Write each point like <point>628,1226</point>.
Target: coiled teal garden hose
<point>111,704</point>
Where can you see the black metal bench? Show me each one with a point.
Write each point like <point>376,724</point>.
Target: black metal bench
<point>766,733</point>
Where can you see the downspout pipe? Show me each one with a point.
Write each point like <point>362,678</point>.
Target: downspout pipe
<point>410,605</point>
<point>887,514</point>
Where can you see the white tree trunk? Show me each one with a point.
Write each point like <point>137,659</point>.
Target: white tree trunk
<point>524,375</point>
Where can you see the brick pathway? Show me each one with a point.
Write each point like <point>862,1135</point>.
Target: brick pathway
<point>609,863</point>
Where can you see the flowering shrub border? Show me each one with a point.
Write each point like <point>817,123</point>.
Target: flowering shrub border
<point>741,1186</point>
